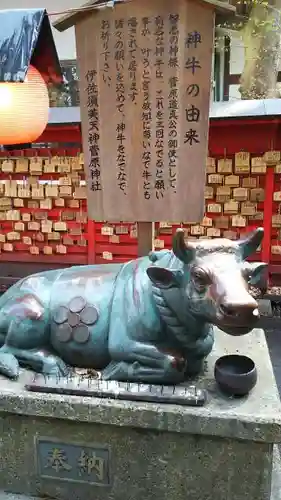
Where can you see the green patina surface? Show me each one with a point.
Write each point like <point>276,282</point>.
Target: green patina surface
<point>150,319</point>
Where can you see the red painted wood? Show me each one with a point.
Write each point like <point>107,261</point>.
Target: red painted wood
<point>91,242</point>
<point>41,258</point>
<point>275,268</point>
<point>117,249</point>
<point>99,225</point>
<point>226,137</point>
<point>43,177</point>
<point>117,260</point>
<point>61,134</point>
<point>42,152</point>
<point>269,189</point>
<point>123,239</point>
<point>54,212</point>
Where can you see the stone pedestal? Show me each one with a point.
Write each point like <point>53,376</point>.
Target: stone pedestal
<point>74,448</point>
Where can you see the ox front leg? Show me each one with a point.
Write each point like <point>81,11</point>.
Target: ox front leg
<point>136,372</point>
<point>137,362</point>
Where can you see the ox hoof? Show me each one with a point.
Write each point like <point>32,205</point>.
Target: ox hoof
<point>9,365</point>
<point>195,367</point>
<point>179,364</point>
<point>174,370</point>
<point>55,366</point>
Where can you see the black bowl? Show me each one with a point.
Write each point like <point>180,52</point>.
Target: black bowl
<point>235,375</point>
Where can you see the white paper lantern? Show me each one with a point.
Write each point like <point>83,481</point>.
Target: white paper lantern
<point>24,109</point>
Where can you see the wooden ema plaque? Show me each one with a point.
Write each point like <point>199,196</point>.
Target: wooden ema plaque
<point>145,80</point>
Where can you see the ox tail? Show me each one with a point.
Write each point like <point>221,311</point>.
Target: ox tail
<point>2,338</point>
<point>23,307</point>
<point>14,310</point>
<point>18,308</point>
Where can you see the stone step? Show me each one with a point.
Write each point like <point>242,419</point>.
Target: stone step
<point>276,475</point>
<point>76,447</point>
<point>12,496</point>
<point>275,492</point>
<point>265,307</point>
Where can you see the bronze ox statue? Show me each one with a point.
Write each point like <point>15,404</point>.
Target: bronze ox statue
<point>148,320</point>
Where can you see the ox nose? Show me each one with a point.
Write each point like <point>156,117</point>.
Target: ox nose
<point>240,312</point>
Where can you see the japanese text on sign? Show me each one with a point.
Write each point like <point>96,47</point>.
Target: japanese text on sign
<point>105,54</point>
<point>192,112</point>
<point>94,131</point>
<point>71,462</point>
<point>146,112</point>
<point>119,56</point>
<point>154,81</point>
<point>132,50</point>
<point>159,32</point>
<point>173,104</point>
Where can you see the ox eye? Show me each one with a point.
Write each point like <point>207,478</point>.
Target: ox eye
<point>248,274</point>
<point>200,278</point>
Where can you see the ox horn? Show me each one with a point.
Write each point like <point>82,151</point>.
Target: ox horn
<point>183,251</point>
<point>251,242</point>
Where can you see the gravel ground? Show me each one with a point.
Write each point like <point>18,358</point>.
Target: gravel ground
<point>274,343</point>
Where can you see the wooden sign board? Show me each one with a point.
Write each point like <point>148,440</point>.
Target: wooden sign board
<point>145,80</point>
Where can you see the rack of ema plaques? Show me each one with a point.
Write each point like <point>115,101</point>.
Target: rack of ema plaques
<point>43,207</point>
<point>43,210</point>
<point>43,215</point>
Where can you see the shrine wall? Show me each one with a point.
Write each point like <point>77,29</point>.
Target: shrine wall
<point>43,213</point>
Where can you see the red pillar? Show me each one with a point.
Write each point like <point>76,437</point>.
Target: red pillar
<point>267,220</point>
<point>91,242</point>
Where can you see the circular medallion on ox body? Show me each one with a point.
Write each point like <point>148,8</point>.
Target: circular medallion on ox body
<point>60,315</point>
<point>81,334</point>
<point>89,315</point>
<point>77,304</point>
<point>73,319</point>
<point>63,332</point>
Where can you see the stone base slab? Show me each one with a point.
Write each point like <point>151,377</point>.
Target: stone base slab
<point>75,448</point>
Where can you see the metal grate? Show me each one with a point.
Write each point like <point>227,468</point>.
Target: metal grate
<point>81,386</point>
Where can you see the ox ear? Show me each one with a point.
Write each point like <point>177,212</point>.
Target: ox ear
<point>164,278</point>
<point>183,251</point>
<point>251,242</point>
<point>257,272</point>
